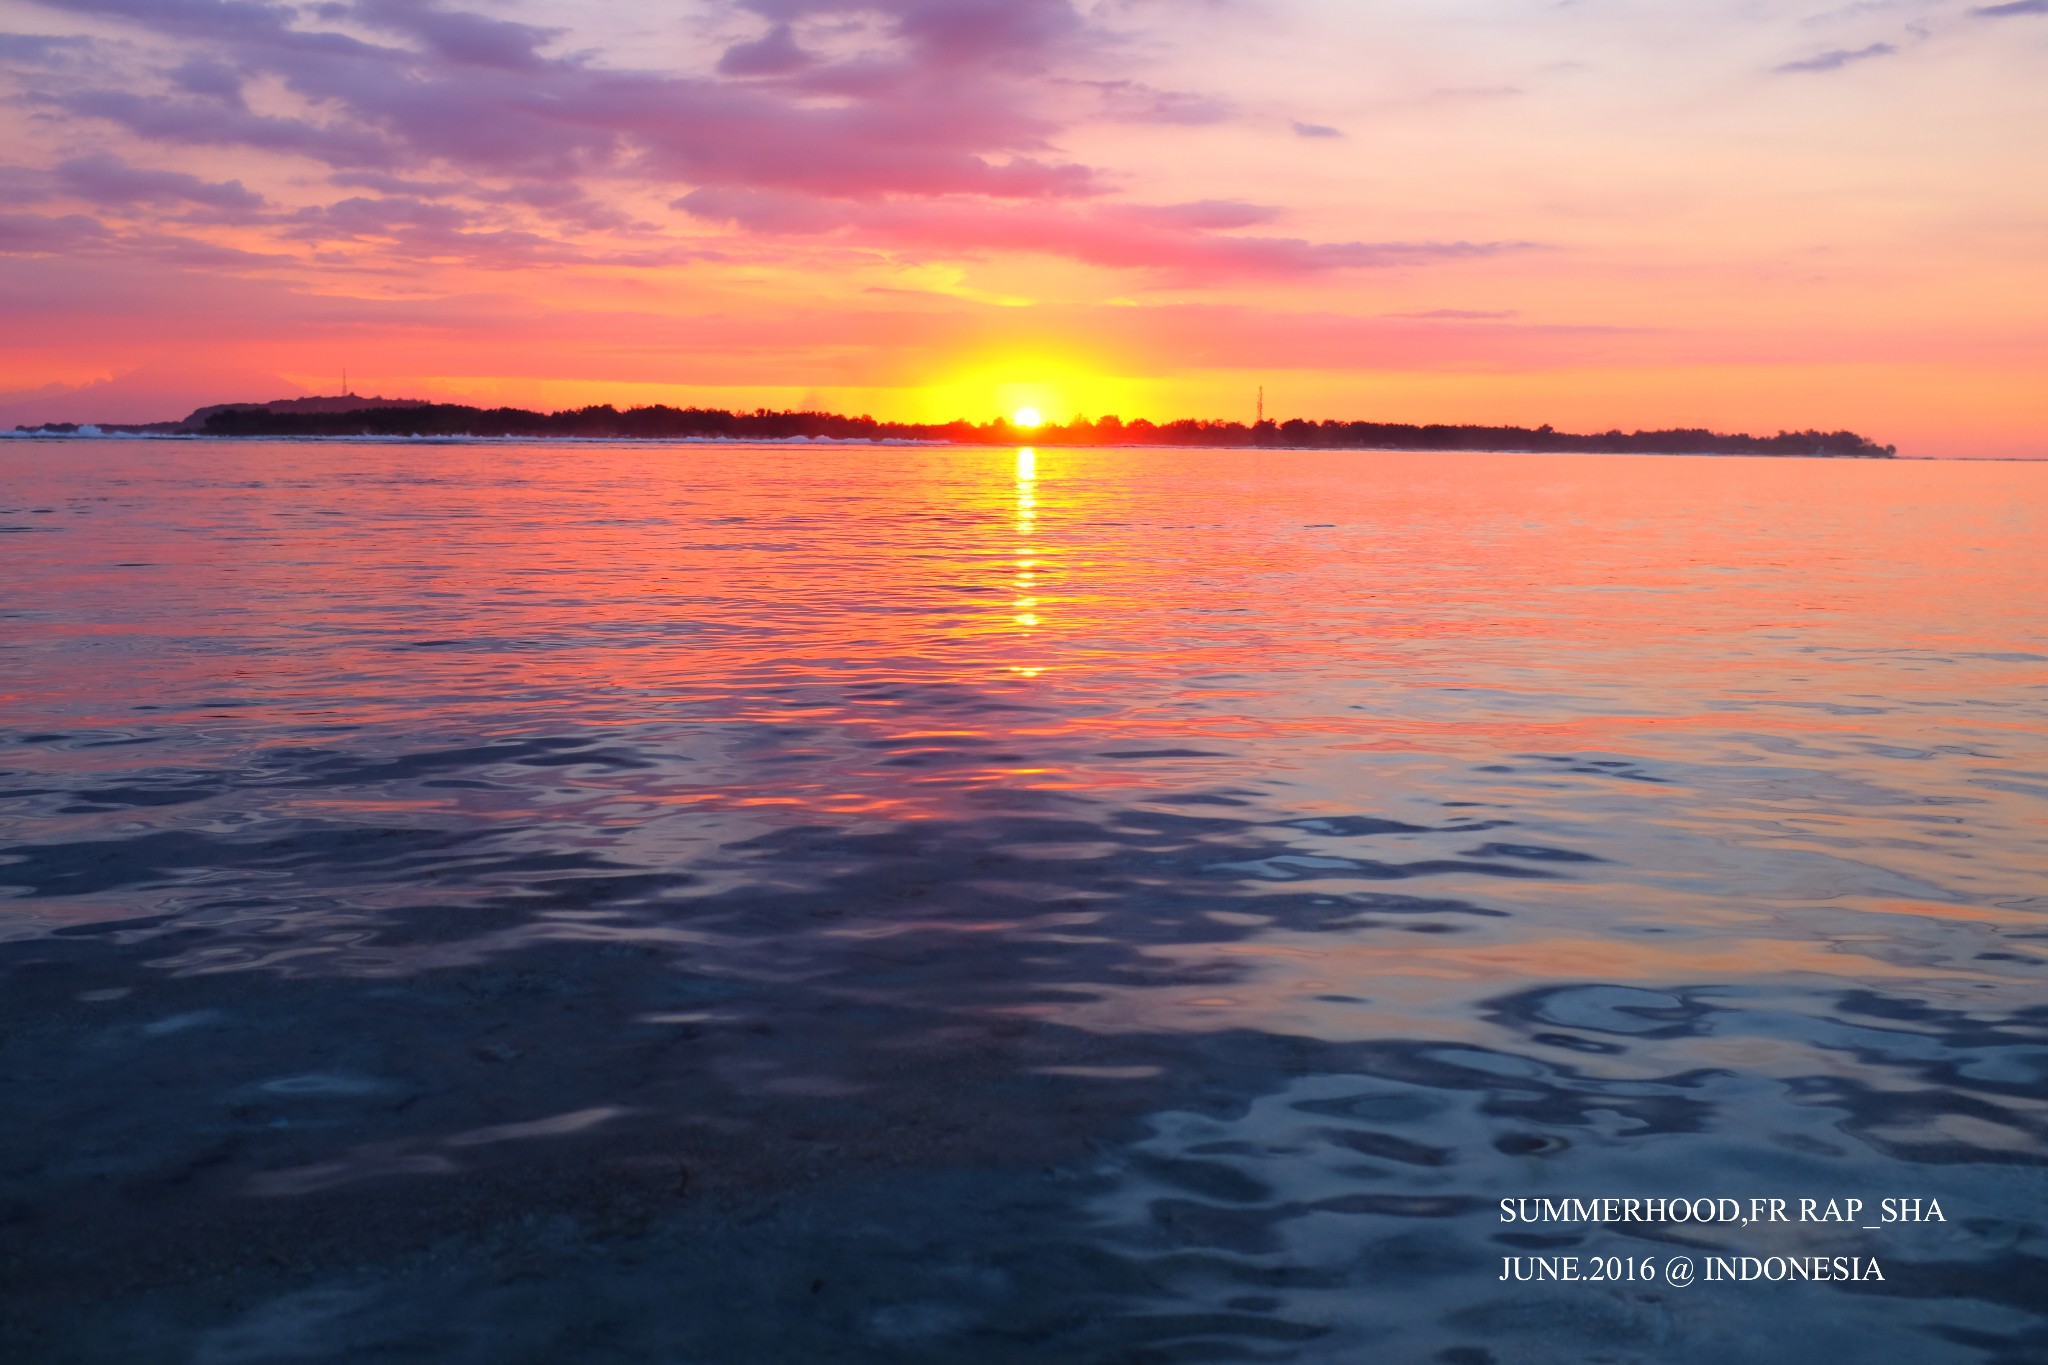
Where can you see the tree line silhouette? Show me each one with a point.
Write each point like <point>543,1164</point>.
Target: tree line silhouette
<point>661,422</point>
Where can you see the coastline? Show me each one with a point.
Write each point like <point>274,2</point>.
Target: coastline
<point>59,437</point>
<point>348,416</point>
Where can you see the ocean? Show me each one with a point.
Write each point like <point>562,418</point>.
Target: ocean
<point>503,902</point>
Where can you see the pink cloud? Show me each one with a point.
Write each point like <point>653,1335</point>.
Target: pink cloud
<point>946,112</point>
<point>773,54</point>
<point>109,180</point>
<point>936,137</point>
<point>1127,101</point>
<point>153,392</point>
<point>1181,242</point>
<point>35,234</point>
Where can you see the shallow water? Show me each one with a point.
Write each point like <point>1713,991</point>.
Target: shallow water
<point>713,904</point>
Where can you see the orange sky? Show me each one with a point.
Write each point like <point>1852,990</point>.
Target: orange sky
<point>1596,214</point>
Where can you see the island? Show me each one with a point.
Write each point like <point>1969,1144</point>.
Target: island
<point>352,417</point>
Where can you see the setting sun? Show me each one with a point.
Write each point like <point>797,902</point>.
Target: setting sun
<point>1026,417</point>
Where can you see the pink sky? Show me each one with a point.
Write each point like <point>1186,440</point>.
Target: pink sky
<point>1595,213</point>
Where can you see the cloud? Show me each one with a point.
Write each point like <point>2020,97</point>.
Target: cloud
<point>37,49</point>
<point>560,201</point>
<point>1457,314</point>
<point>108,180</point>
<point>396,184</point>
<point>35,234</point>
<point>195,124</point>
<point>1182,243</point>
<point>1200,215</point>
<point>461,37</point>
<point>1012,36</point>
<point>23,185</point>
<point>1838,58</point>
<point>1129,101</point>
<point>2007,11</point>
<point>383,218</point>
<point>204,76</point>
<point>773,54</point>
<point>170,387</point>
<point>922,128</point>
<point>81,236</point>
<point>942,107</point>
<point>400,229</point>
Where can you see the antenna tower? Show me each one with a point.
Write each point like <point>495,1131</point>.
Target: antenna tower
<point>1262,402</point>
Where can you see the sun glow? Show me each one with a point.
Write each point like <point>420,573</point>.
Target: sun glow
<point>1005,384</point>
<point>1026,417</point>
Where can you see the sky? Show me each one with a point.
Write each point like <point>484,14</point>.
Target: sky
<point>1592,213</point>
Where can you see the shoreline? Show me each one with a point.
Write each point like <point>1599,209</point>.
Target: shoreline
<point>850,442</point>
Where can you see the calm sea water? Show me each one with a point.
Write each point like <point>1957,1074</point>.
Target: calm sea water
<point>504,903</point>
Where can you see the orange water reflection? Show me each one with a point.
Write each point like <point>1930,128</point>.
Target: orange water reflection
<point>1760,693</point>
<point>1025,581</point>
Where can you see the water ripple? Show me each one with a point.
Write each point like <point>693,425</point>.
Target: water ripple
<point>613,904</point>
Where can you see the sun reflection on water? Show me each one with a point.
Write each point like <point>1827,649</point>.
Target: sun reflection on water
<point>1026,579</point>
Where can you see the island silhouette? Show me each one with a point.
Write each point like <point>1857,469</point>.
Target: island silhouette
<point>352,416</point>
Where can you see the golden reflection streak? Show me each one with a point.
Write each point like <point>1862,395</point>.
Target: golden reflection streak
<point>1027,529</point>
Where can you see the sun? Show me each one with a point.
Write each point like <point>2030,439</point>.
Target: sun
<point>1026,417</point>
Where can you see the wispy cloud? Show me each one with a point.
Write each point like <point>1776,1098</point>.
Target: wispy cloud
<point>1128,101</point>
<point>1477,92</point>
<point>1183,243</point>
<point>40,49</point>
<point>1838,58</point>
<point>108,180</point>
